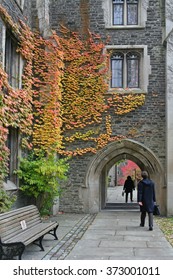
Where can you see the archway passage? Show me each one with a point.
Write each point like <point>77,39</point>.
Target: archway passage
<point>126,149</point>
<point>115,195</point>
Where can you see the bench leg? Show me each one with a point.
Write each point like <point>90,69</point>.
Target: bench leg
<point>54,232</point>
<point>38,242</point>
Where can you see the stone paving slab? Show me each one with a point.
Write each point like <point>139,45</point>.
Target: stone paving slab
<point>101,236</point>
<point>154,252</point>
<point>97,253</point>
<point>139,232</point>
<point>123,244</point>
<point>153,238</point>
<point>108,231</point>
<point>159,244</point>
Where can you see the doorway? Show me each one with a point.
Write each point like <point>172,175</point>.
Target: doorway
<point>115,195</point>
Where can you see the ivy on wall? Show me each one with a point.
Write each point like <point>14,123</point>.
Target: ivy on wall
<point>16,104</point>
<point>47,73</point>
<point>63,94</point>
<point>125,103</point>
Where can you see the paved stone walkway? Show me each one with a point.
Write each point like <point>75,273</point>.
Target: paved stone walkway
<point>108,235</point>
<point>118,236</point>
<point>66,244</point>
<point>66,222</point>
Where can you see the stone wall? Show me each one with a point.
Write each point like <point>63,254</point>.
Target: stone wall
<point>16,11</point>
<point>148,120</point>
<point>169,105</point>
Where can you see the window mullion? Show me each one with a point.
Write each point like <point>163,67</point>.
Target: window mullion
<point>125,12</point>
<point>125,72</point>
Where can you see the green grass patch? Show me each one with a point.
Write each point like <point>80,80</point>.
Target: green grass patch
<point>166,225</point>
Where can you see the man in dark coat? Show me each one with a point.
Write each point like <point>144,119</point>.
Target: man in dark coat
<point>128,188</point>
<point>146,199</point>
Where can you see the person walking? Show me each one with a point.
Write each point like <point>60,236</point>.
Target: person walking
<point>146,199</point>
<point>129,186</point>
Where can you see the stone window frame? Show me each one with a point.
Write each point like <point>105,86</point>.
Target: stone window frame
<point>20,62</point>
<point>125,56</point>
<point>12,59</point>
<point>145,67</point>
<point>107,6</point>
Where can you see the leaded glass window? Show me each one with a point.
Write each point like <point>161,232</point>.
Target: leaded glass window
<point>118,12</point>
<point>117,70</point>
<point>125,69</point>
<point>132,12</point>
<point>125,12</point>
<point>12,60</point>
<point>132,70</point>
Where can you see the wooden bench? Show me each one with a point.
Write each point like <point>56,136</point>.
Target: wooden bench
<point>21,227</point>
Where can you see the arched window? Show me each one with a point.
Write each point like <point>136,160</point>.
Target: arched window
<point>125,69</point>
<point>117,70</point>
<point>133,70</point>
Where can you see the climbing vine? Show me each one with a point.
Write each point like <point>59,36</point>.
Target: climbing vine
<point>47,74</point>
<point>126,102</point>
<point>84,102</point>
<point>62,99</point>
<point>15,104</point>
<point>84,87</point>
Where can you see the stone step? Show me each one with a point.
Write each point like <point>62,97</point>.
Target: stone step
<point>130,205</point>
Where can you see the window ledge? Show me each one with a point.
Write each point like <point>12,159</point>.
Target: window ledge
<point>9,186</point>
<point>123,27</point>
<point>126,91</point>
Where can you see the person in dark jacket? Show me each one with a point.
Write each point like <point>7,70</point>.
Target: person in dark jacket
<point>146,199</point>
<point>128,188</point>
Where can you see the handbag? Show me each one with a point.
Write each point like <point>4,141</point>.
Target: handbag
<point>122,193</point>
<point>156,211</point>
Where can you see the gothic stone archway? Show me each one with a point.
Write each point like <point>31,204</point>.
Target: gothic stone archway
<point>125,149</point>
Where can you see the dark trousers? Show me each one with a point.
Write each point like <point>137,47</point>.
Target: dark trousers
<point>131,196</point>
<point>150,218</point>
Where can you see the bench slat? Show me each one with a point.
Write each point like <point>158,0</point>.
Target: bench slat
<point>11,225</point>
<point>21,210</point>
<point>17,220</point>
<point>16,230</point>
<point>30,235</point>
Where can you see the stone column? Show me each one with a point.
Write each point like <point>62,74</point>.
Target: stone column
<point>169,104</point>
<point>43,16</point>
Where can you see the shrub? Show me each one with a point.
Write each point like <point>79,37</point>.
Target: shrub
<point>6,201</point>
<point>41,177</point>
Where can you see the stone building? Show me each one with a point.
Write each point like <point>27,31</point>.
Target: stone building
<point>141,41</point>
